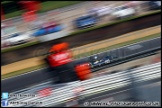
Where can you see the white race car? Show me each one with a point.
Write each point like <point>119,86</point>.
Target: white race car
<point>101,11</point>
<point>123,12</point>
<point>18,38</point>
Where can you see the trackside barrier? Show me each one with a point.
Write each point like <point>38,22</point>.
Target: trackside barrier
<point>95,85</point>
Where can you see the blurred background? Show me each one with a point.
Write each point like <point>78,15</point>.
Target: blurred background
<point>34,19</point>
<point>114,48</point>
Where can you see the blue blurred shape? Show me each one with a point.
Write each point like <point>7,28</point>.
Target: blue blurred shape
<point>55,29</point>
<point>48,30</point>
<point>5,95</point>
<point>4,103</point>
<point>40,32</point>
<point>85,21</point>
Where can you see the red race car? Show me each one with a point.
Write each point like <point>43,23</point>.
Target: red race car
<point>60,63</point>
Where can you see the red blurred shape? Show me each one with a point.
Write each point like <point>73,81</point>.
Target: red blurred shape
<point>83,71</point>
<point>156,60</point>
<point>61,55</point>
<point>59,47</point>
<point>60,58</point>
<point>45,92</point>
<point>49,24</point>
<point>30,5</point>
<point>29,16</point>
<point>2,14</point>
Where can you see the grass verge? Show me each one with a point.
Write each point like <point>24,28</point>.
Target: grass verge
<point>88,29</point>
<point>3,2</point>
<point>50,5</point>
<point>115,22</point>
<point>45,6</point>
<point>19,46</point>
<point>14,14</point>
<point>15,73</point>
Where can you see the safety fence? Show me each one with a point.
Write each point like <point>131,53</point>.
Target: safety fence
<point>80,89</point>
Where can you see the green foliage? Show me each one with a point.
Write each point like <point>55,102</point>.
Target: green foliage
<point>45,6</point>
<point>18,47</point>
<point>113,23</point>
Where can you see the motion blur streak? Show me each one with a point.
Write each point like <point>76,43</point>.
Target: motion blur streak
<point>134,80</point>
<point>128,73</point>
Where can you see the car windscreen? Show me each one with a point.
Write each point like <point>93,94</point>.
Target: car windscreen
<point>15,35</point>
<point>124,7</point>
<point>120,8</point>
<point>85,19</point>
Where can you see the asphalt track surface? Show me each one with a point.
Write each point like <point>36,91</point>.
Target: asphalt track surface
<point>43,75</point>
